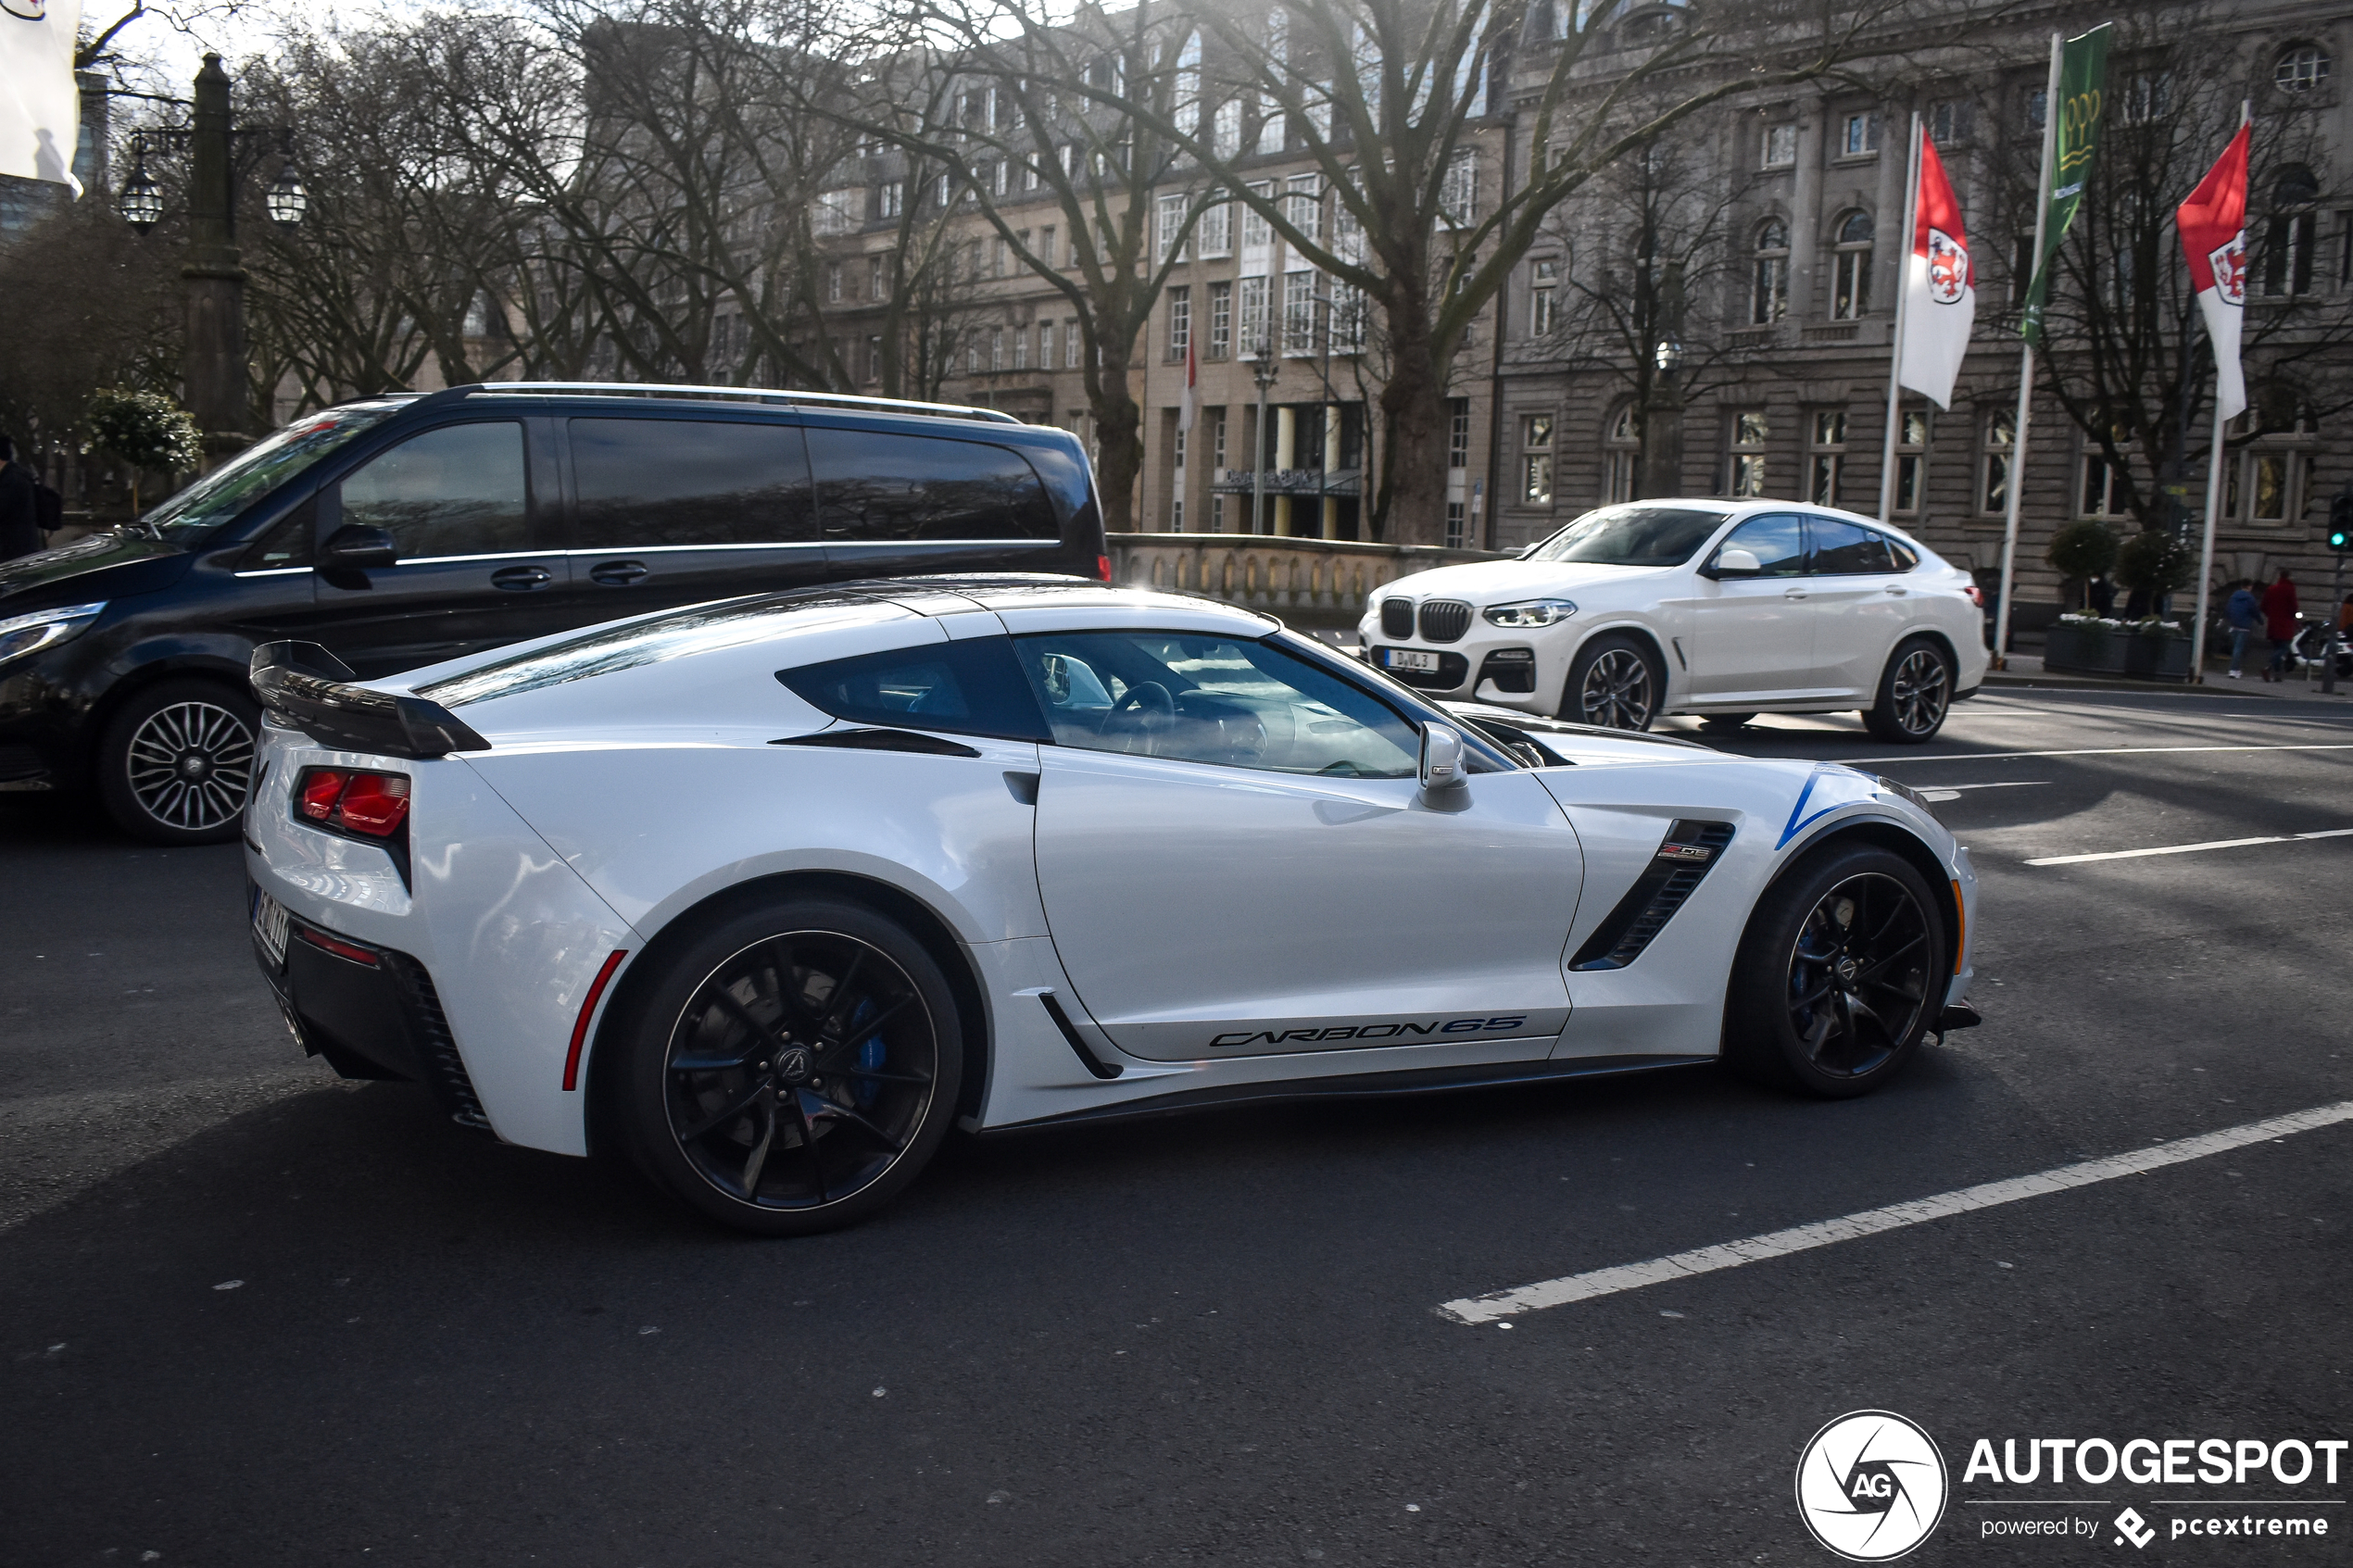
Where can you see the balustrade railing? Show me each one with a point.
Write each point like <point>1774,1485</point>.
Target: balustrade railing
<point>1314,584</point>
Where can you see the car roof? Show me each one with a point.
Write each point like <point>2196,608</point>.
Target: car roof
<point>1741,510</point>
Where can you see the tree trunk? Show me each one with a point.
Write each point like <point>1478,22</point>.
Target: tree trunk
<point>1119,444</point>
<point>1414,470</point>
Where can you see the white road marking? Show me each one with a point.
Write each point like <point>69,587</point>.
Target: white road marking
<point>2095,751</point>
<point>1953,792</point>
<point>2190,848</point>
<point>1872,1222</point>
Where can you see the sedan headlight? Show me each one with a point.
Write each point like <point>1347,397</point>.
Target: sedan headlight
<point>1530,612</point>
<point>23,635</point>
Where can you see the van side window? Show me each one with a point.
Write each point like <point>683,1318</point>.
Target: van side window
<point>457,491</point>
<point>883,485</point>
<point>287,543</point>
<point>645,482</point>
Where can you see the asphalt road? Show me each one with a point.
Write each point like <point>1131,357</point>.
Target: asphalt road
<point>250,1316</point>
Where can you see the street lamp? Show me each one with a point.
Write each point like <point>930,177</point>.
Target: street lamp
<point>1669,355</point>
<point>286,199</point>
<point>142,204</point>
<point>1265,368</point>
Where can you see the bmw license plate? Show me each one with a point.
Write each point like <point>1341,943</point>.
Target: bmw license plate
<point>1410,659</point>
<point>269,925</point>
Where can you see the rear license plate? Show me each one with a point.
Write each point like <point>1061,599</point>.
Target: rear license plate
<point>269,925</point>
<point>1410,659</point>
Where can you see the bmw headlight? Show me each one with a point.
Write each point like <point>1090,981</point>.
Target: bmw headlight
<point>1530,612</point>
<point>23,635</point>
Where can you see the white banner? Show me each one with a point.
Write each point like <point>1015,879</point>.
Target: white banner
<point>39,110</point>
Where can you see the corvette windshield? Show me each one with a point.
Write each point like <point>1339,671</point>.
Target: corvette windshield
<point>220,495</point>
<point>1630,536</point>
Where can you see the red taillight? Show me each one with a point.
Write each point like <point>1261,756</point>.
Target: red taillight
<point>1103,569</point>
<point>1976,596</point>
<point>370,804</point>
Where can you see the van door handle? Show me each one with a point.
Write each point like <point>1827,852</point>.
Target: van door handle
<point>618,573</point>
<point>521,579</point>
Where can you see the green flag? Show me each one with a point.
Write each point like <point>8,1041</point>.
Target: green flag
<point>2082,95</point>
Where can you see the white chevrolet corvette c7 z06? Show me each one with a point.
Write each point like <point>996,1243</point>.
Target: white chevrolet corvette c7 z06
<point>770,893</point>
<point>1721,609</point>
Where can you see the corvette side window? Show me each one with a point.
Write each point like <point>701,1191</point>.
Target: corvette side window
<point>968,687</point>
<point>1226,700</point>
<point>1777,540</point>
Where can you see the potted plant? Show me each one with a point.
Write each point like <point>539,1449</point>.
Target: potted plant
<point>2094,645</point>
<point>2080,552</point>
<point>144,430</point>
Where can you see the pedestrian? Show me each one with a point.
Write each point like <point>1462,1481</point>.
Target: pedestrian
<point>2279,624</point>
<point>2243,612</point>
<point>20,506</point>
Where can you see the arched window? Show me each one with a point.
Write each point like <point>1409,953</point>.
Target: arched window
<point>2290,235</point>
<point>1851,274</point>
<point>2300,67</point>
<point>1768,294</point>
<point>1621,450</point>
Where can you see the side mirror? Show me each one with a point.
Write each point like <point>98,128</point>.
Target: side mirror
<point>358,548</point>
<point>1735,563</point>
<point>1441,767</point>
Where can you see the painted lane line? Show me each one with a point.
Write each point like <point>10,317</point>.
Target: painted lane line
<point>2094,751</point>
<point>1502,1304</point>
<point>2190,848</point>
<point>1953,792</point>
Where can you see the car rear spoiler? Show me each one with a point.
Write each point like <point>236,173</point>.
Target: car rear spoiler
<point>311,690</point>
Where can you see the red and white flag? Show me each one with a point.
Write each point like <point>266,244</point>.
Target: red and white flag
<point>1940,288</point>
<point>1188,404</point>
<point>2213,225</point>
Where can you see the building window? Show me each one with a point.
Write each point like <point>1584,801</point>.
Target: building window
<point>2289,236</point>
<point>1257,233</point>
<point>1046,244</point>
<point>2259,487</point>
<point>1221,321</point>
<point>1021,346</point>
<point>1860,136</point>
<point>1226,128</point>
<point>1951,123</point>
<point>1621,453</point>
<point>890,199</point>
<point>2102,492</point>
<point>833,283</point>
<point>1911,460</point>
<point>874,358</point>
<point>1344,319</point>
<point>2147,96</point>
<point>875,270</point>
<point>2300,67</point>
<point>998,255</point>
<point>1453,525</point>
<point>1824,455</point>
<point>1536,459</point>
<point>1215,233</point>
<point>1172,225</point>
<point>1851,274</point>
<point>1768,284</point>
<point>1304,205</point>
<point>1070,344</point>
<point>1217,439</point>
<point>1180,322</point>
<point>1254,315</point>
<point>1176,485</point>
<point>1779,148</point>
<point>1542,296</point>
<point>1458,433</point>
<point>1744,454</point>
<point>1994,463</point>
<point>1299,312</point>
<point>1458,196</point>
<point>996,348</point>
<point>1045,345</point>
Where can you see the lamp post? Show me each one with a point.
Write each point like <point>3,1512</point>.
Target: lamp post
<point>214,368</point>
<point>1264,367</point>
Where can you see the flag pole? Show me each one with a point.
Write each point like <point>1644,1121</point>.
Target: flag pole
<point>2213,498</point>
<point>2026,373</point>
<point>1903,308</point>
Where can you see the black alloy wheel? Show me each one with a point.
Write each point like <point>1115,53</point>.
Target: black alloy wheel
<point>794,1068</point>
<point>175,766</point>
<point>1840,975</point>
<point>1915,693</point>
<point>1614,683</point>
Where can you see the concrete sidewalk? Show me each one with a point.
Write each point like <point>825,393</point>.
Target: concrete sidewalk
<point>2026,669</point>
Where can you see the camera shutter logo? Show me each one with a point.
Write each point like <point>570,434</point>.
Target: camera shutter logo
<point>1872,1486</point>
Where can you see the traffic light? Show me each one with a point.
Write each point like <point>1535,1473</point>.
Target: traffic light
<point>2341,522</point>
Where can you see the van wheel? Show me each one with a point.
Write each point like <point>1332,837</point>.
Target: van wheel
<point>790,1070</point>
<point>175,764</point>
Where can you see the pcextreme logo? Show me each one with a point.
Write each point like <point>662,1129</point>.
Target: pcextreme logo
<point>1871,1485</point>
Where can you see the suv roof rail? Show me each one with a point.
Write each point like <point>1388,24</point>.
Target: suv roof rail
<point>735,395</point>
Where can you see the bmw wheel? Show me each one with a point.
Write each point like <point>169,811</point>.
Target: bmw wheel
<point>175,765</point>
<point>792,1069</point>
<point>1915,693</point>
<point>1839,974</point>
<point>1615,683</point>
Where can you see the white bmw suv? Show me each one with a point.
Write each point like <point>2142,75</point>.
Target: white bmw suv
<point>1721,608</point>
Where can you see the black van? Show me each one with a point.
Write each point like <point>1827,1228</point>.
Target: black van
<point>402,531</point>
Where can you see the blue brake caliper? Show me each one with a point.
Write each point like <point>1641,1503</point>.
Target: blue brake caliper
<point>870,1055</point>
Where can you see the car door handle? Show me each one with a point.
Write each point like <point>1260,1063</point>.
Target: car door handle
<point>1897,589</point>
<point>618,573</point>
<point>1793,594</point>
<point>521,579</point>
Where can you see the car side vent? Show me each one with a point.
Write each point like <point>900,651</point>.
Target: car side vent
<point>1445,621</point>
<point>446,1073</point>
<point>1683,858</point>
<point>1396,617</point>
